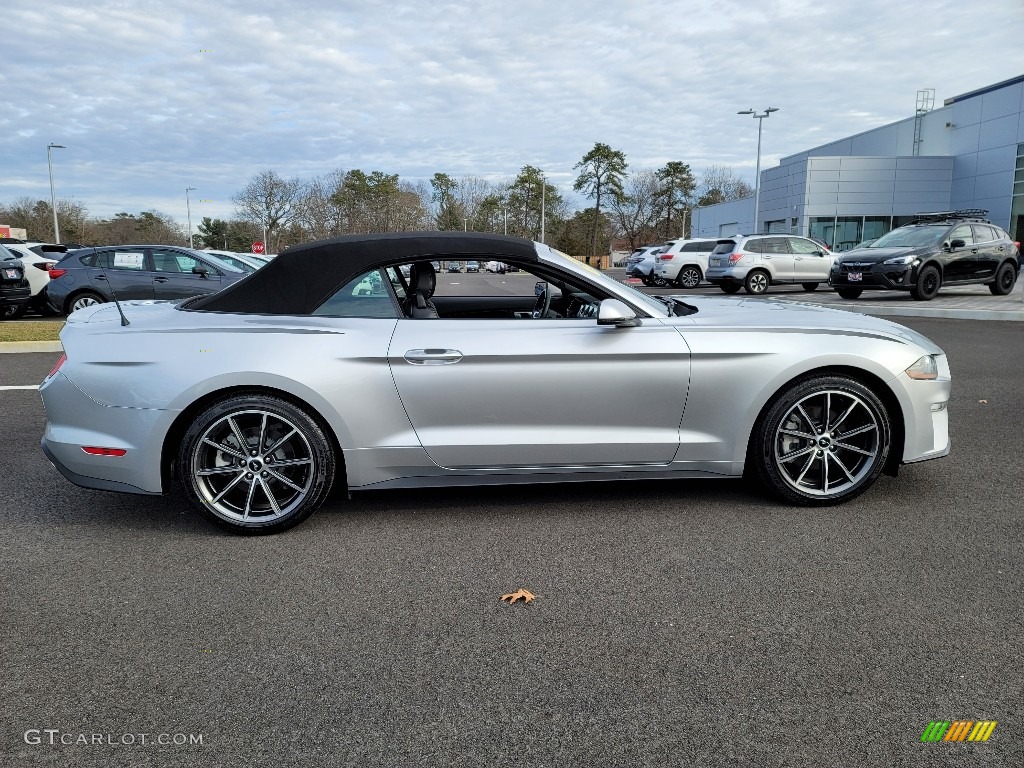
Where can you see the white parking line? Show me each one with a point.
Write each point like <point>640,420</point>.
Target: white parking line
<point>24,386</point>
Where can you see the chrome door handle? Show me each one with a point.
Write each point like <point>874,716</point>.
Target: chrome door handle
<point>433,356</point>
<point>160,279</point>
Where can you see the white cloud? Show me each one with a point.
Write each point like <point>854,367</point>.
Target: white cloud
<point>151,97</point>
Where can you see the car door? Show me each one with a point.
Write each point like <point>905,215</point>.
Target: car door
<point>507,393</point>
<point>990,251</point>
<point>961,262</point>
<point>173,277</point>
<point>776,255</point>
<point>122,273</point>
<point>810,264</point>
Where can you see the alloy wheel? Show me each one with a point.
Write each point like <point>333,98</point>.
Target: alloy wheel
<point>827,443</point>
<point>253,466</point>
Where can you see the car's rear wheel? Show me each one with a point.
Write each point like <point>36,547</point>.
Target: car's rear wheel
<point>1006,277</point>
<point>688,277</point>
<point>809,286</point>
<point>646,280</point>
<point>82,300</point>
<point>849,293</point>
<point>756,282</point>
<point>730,288</point>
<point>822,441</point>
<point>927,286</point>
<point>256,464</point>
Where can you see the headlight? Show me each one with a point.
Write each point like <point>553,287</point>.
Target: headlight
<point>925,369</point>
<point>900,260</point>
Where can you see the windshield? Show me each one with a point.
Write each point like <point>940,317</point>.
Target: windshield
<point>911,237</point>
<point>221,263</point>
<point>655,307</point>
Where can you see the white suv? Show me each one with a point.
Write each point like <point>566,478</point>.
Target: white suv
<point>685,263</point>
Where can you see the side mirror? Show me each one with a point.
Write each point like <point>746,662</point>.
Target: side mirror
<point>198,270</point>
<point>615,312</point>
<point>539,287</point>
<point>958,243</point>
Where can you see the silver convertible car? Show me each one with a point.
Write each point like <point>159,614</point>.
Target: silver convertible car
<point>330,366</point>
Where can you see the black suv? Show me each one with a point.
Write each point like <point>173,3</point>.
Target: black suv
<point>14,290</point>
<point>935,249</point>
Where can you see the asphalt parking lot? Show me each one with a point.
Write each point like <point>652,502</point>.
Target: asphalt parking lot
<point>676,623</point>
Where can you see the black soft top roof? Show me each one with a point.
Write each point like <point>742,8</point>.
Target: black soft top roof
<point>301,278</point>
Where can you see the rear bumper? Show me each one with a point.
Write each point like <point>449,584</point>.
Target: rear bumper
<point>75,420</point>
<point>14,296</point>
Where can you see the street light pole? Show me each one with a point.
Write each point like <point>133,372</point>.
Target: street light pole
<point>757,177</point>
<point>53,195</point>
<point>543,212</point>
<point>188,210</point>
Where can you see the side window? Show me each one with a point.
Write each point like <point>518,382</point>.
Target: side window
<point>134,260</point>
<point>983,234</point>
<point>364,296</point>
<point>798,245</point>
<point>776,245</point>
<point>963,232</point>
<point>90,260</point>
<point>755,245</point>
<point>173,261</point>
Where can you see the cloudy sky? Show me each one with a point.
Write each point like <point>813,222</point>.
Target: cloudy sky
<point>152,97</point>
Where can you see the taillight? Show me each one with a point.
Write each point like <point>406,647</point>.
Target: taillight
<point>56,272</point>
<point>60,361</point>
<point>95,450</point>
<point>666,257</point>
<point>736,256</point>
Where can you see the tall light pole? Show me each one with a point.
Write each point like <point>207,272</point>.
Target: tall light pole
<point>757,177</point>
<point>53,195</point>
<point>188,210</point>
<point>543,212</point>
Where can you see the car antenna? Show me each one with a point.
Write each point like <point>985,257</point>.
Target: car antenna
<point>124,320</point>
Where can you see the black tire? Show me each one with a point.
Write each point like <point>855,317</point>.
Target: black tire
<point>688,277</point>
<point>85,298</point>
<point>928,283</point>
<point>730,288</point>
<point>646,280</point>
<point>809,286</point>
<point>13,311</point>
<point>659,282</point>
<point>1006,278</point>
<point>281,480</point>
<point>784,431</point>
<point>849,293</point>
<point>756,282</point>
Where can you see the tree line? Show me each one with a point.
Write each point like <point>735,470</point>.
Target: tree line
<point>628,209</point>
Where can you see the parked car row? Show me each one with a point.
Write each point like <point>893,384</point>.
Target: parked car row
<point>53,279</point>
<point>935,249</point>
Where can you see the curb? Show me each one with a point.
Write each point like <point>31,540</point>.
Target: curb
<point>1012,315</point>
<point>30,346</point>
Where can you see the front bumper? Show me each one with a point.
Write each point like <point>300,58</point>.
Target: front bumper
<point>879,277</point>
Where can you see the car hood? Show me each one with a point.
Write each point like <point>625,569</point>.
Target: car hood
<point>769,314</point>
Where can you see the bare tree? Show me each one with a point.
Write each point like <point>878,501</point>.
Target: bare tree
<point>270,200</point>
<point>636,213</point>
<point>719,184</point>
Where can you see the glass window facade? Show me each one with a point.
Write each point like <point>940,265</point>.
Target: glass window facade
<point>1017,207</point>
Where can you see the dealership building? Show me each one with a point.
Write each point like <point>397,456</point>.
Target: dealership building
<point>968,153</point>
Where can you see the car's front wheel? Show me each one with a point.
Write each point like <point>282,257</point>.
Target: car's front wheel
<point>256,464</point>
<point>822,441</point>
<point>13,311</point>
<point>756,282</point>
<point>809,286</point>
<point>849,293</point>
<point>1006,277</point>
<point>658,281</point>
<point>928,283</point>
<point>688,277</point>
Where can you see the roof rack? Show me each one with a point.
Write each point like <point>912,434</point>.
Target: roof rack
<point>963,213</point>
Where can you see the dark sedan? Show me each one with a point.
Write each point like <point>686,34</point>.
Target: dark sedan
<point>96,275</point>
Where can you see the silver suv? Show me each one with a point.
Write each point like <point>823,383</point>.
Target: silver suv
<point>754,262</point>
<point>685,262</point>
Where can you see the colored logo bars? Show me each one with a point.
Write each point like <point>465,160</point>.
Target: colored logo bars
<point>959,730</point>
